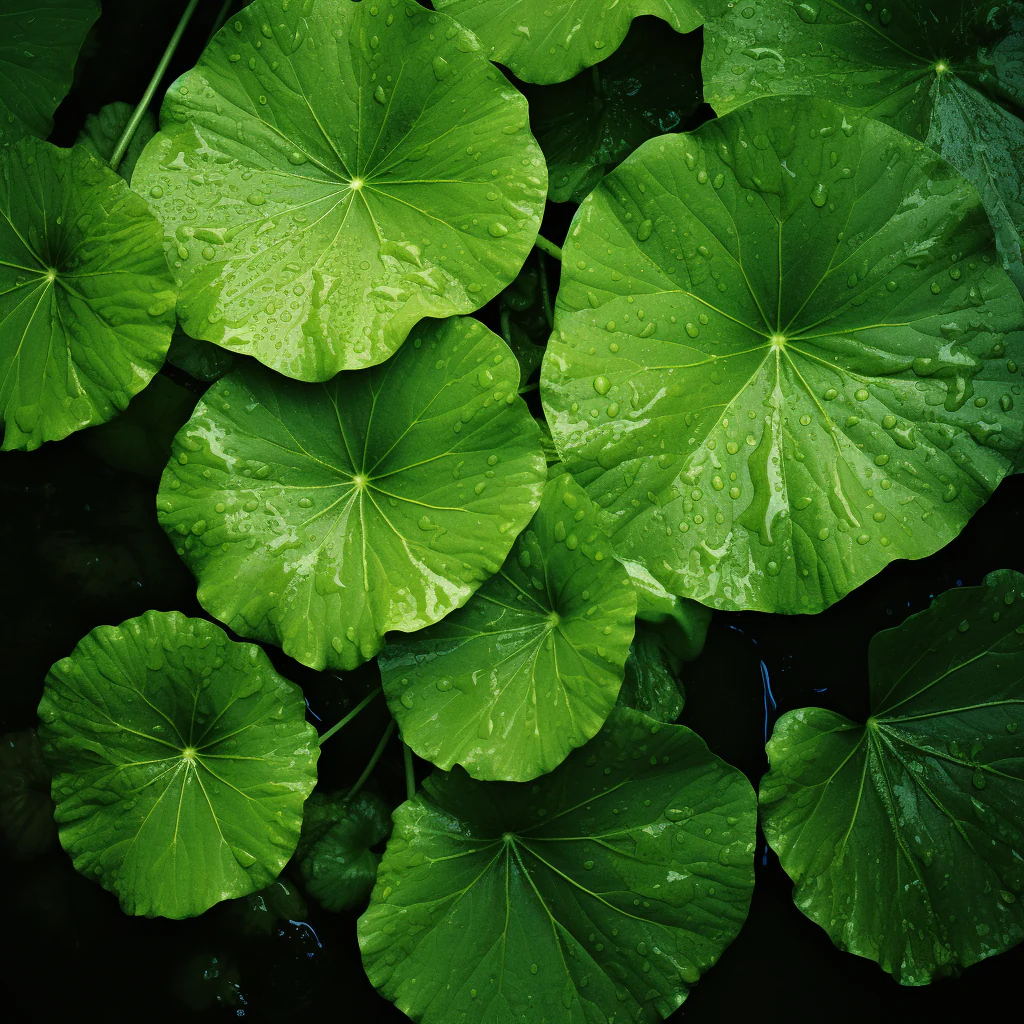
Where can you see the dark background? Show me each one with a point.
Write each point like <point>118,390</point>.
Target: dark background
<point>82,548</point>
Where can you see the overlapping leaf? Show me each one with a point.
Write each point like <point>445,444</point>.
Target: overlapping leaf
<point>903,835</point>
<point>332,172</point>
<point>785,355</point>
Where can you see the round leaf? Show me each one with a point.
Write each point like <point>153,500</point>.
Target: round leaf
<point>946,73</point>
<point>902,836</point>
<point>86,297</point>
<point>547,41</point>
<point>601,892</point>
<point>529,669</point>
<point>181,761</point>
<point>332,172</point>
<point>785,355</point>
<point>320,516</point>
<point>38,50</point>
<point>588,125</point>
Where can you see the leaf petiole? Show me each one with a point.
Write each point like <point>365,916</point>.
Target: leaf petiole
<point>410,777</point>
<point>154,82</point>
<point>549,247</point>
<point>374,758</point>
<point>348,718</point>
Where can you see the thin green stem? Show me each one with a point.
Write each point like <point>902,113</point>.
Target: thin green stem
<point>506,325</point>
<point>545,291</point>
<point>410,778</point>
<point>221,18</point>
<point>375,757</point>
<point>154,82</point>
<point>549,247</point>
<point>348,718</point>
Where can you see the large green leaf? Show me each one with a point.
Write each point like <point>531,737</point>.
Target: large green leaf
<point>547,41</point>
<point>529,669</point>
<point>948,72</point>
<point>320,516</point>
<point>181,761</point>
<point>102,132</point>
<point>785,355</point>
<point>599,893</point>
<point>332,172</point>
<point>86,297</point>
<point>903,835</point>
<point>589,124</point>
<point>39,45</point>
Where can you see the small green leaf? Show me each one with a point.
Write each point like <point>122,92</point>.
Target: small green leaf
<point>103,131</point>
<point>547,41</point>
<point>331,173</point>
<point>529,669</point>
<point>319,517</point>
<point>947,74</point>
<point>335,851</point>
<point>588,125</point>
<point>524,320</point>
<point>651,681</point>
<point>199,359</point>
<point>600,892</point>
<point>902,836</point>
<point>38,50</point>
<point>86,297</point>
<point>258,914</point>
<point>804,362</point>
<point>181,761</point>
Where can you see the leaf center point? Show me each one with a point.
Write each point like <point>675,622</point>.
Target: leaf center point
<point>189,754</point>
<point>778,341</point>
<point>51,275</point>
<point>359,481</point>
<point>941,67</point>
<point>356,184</point>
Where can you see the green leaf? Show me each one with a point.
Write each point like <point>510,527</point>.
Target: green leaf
<point>258,914</point>
<point>320,516</point>
<point>334,853</point>
<point>600,892</point>
<point>902,835</point>
<point>181,761</point>
<point>651,682</point>
<point>86,297</point>
<point>946,73</point>
<point>199,359</point>
<point>332,173</point>
<point>523,311</point>
<point>548,41</point>
<point>529,669</point>
<point>26,810</point>
<point>804,365</point>
<point>103,131</point>
<point>588,125</point>
<point>38,50</point>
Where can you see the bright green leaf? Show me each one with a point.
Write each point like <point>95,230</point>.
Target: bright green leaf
<point>902,836</point>
<point>803,363</point>
<point>333,172</point>
<point>181,761</point>
<point>199,359</point>
<point>948,73</point>
<point>547,41</point>
<point>588,125</point>
<point>320,516</point>
<point>39,45</point>
<point>86,297</point>
<point>529,669</point>
<point>335,851</point>
<point>103,131</point>
<point>600,892</point>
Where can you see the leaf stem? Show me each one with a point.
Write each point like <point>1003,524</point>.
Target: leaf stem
<point>374,758</point>
<point>549,247</point>
<point>219,23</point>
<point>348,718</point>
<point>545,292</point>
<point>410,778</point>
<point>154,82</point>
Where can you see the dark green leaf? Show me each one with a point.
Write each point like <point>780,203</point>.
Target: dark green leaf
<point>103,130</point>
<point>651,683</point>
<point>600,892</point>
<point>199,359</point>
<point>26,810</point>
<point>903,836</point>
<point>181,761</point>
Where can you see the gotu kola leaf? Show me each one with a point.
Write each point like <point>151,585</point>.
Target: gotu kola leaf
<point>588,125</point>
<point>803,362</point>
<point>548,41</point>
<point>530,667</point>
<point>948,72</point>
<point>319,516</point>
<point>903,835</point>
<point>332,172</point>
<point>38,50</point>
<point>103,130</point>
<point>86,296</point>
<point>600,892</point>
<point>181,761</point>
